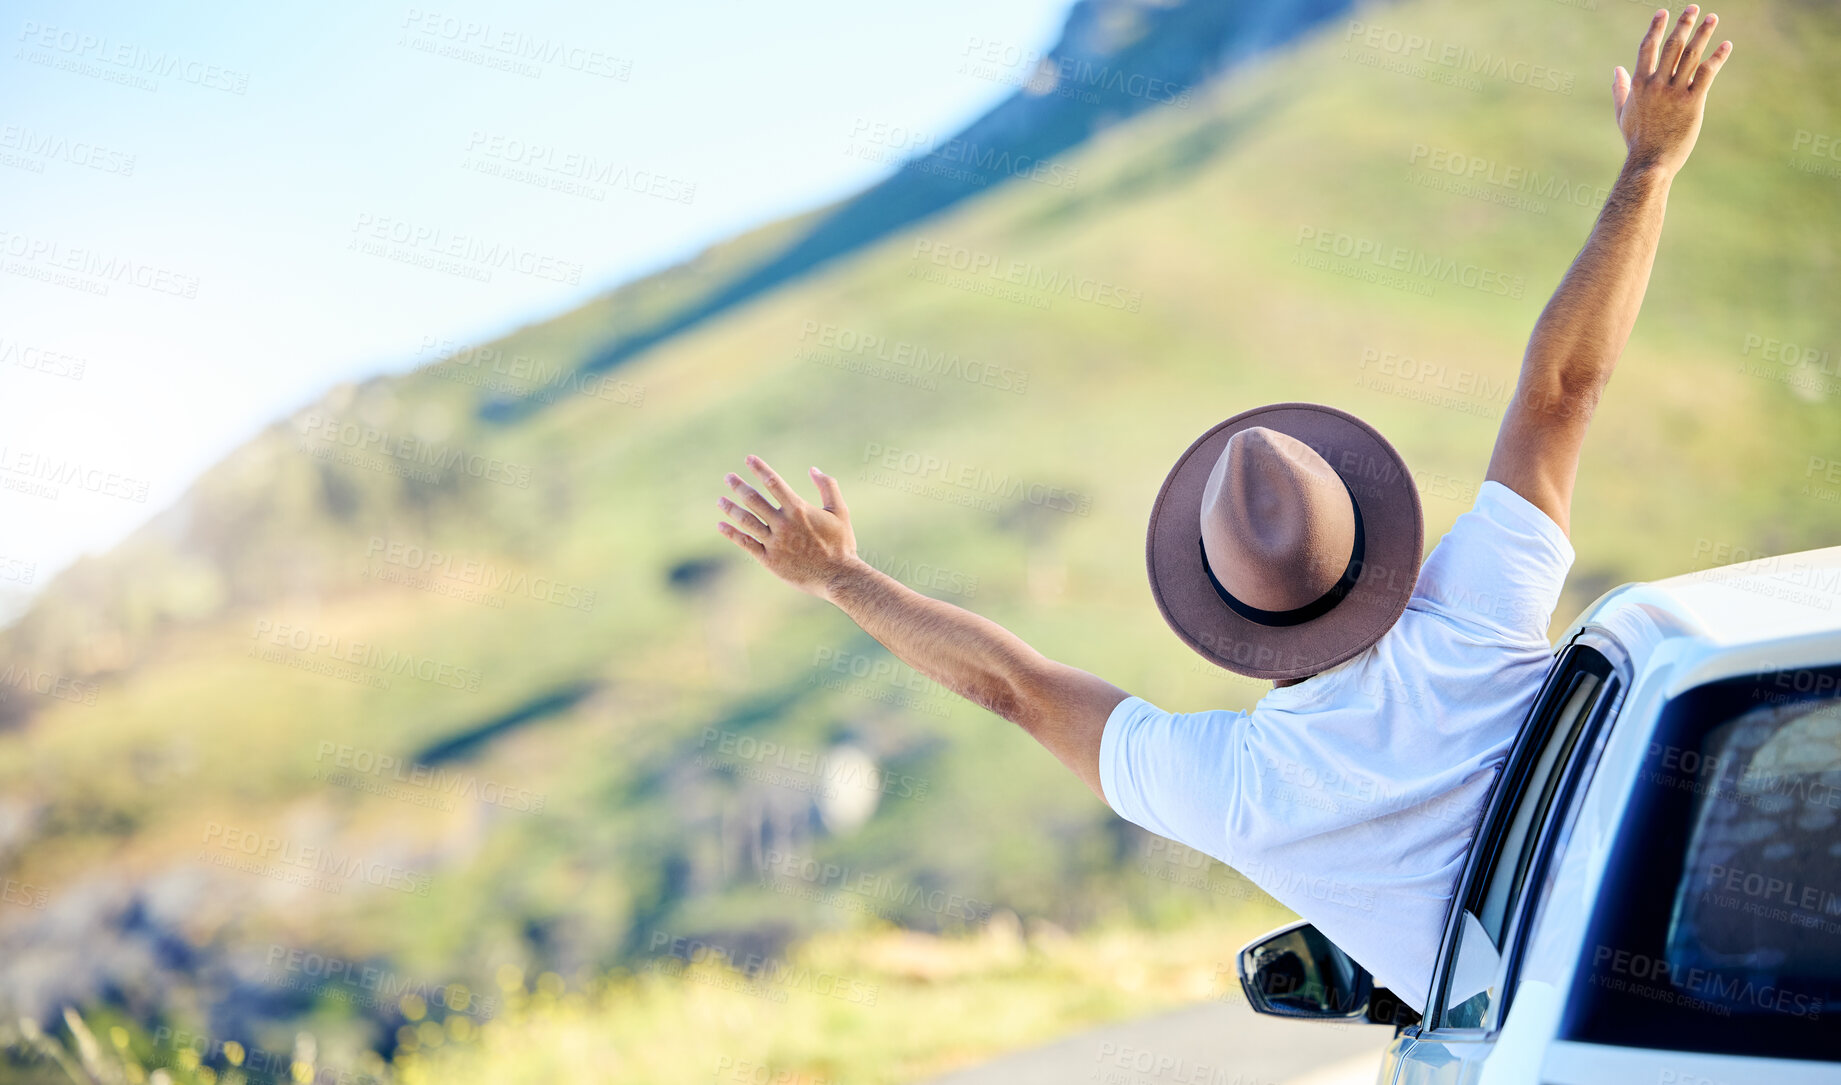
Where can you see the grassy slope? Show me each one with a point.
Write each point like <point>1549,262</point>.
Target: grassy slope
<point>1200,211</point>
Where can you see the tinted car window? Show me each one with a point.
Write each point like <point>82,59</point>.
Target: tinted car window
<point>1719,926</point>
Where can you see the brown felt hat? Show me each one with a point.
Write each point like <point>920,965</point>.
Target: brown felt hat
<point>1285,540</point>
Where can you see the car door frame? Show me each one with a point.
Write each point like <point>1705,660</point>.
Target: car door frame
<point>1549,838</point>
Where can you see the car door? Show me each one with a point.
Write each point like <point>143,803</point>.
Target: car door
<point>1523,827</point>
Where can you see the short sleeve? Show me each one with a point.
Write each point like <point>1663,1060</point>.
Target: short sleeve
<point>1173,774</point>
<point>1501,565</point>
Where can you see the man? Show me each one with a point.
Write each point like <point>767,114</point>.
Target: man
<point>1285,545</point>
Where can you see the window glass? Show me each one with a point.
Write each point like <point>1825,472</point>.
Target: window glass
<point>1531,781</point>
<point>1530,813</point>
<point>1719,926</point>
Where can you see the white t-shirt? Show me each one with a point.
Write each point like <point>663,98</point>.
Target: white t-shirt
<point>1351,797</point>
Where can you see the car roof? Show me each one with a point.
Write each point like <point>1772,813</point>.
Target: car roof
<point>1756,601</point>
<point>1759,615</point>
<point>1749,603</point>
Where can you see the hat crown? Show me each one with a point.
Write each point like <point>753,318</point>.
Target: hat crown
<point>1277,524</point>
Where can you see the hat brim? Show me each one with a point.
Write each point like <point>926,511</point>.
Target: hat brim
<point>1393,528</point>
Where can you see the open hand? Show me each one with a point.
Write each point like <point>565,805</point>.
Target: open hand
<point>802,544</point>
<point>1659,106</point>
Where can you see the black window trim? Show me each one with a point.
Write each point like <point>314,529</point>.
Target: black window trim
<point>1581,761</point>
<point>1562,815</point>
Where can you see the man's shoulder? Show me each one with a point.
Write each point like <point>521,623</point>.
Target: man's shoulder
<point>1503,524</point>
<point>1500,568</point>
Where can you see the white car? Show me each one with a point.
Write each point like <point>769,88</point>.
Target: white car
<point>1654,891</point>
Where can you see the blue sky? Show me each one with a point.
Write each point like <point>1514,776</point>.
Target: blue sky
<point>209,166</point>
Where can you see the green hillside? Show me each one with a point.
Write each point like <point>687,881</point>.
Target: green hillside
<point>1001,391</point>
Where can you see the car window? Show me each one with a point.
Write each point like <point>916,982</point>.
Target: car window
<point>1718,927</point>
<point>1580,686</point>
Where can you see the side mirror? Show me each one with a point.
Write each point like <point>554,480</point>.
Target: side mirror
<point>1296,972</point>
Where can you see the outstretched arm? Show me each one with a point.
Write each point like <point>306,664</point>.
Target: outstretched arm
<point>813,548</point>
<point>1580,334</point>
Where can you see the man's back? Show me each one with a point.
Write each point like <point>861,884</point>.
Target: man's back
<point>1351,797</point>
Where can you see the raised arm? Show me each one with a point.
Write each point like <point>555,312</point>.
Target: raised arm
<point>1581,333</point>
<point>813,548</point>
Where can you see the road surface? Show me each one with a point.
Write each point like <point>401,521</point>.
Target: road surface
<point>1216,1043</point>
